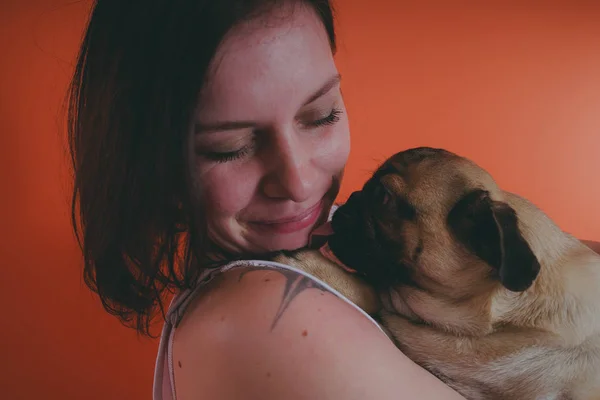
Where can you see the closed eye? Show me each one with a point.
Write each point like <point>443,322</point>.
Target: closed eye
<point>329,119</point>
<point>382,194</point>
<point>395,203</point>
<point>405,209</point>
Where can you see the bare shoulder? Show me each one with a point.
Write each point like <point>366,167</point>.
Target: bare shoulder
<point>272,334</point>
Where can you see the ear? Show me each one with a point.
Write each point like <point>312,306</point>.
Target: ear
<point>490,230</point>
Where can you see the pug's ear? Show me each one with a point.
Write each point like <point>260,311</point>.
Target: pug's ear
<point>490,230</point>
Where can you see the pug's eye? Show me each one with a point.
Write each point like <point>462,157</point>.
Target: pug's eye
<point>382,195</point>
<point>406,210</point>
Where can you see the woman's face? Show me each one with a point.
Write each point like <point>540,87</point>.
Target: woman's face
<point>271,138</point>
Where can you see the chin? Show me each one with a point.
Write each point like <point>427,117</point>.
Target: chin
<point>289,241</point>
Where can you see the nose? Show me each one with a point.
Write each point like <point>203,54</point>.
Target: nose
<point>292,174</point>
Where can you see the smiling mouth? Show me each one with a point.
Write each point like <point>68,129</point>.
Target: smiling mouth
<point>294,223</point>
<point>294,218</point>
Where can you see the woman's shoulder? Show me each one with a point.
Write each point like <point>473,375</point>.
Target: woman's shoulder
<point>270,333</point>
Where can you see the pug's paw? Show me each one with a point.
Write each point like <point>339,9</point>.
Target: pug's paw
<point>300,259</point>
<point>351,286</point>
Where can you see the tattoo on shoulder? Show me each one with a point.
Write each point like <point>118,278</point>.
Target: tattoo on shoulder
<point>295,284</point>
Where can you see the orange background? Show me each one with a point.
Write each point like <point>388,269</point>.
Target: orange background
<point>515,87</point>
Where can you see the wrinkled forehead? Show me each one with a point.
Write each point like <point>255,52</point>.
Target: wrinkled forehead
<point>433,179</point>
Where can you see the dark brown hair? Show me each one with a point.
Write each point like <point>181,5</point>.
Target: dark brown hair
<point>130,107</point>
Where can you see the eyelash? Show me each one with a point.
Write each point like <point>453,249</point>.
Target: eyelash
<point>229,156</point>
<point>331,119</point>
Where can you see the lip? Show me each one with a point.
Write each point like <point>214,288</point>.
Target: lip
<point>294,223</point>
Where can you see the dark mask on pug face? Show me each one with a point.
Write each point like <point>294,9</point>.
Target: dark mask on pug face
<point>431,219</point>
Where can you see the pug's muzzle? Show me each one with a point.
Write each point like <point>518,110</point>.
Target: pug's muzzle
<point>359,244</point>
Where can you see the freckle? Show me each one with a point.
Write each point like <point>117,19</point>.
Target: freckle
<point>318,309</point>
<point>268,374</point>
<point>222,319</point>
<point>179,363</point>
<point>305,333</point>
<point>267,280</point>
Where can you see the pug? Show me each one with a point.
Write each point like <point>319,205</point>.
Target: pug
<point>475,284</point>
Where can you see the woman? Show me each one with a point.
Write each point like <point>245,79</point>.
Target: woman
<point>209,131</point>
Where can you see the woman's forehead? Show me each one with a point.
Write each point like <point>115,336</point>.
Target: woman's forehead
<point>268,64</point>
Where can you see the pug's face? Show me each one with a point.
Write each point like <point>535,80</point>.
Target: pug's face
<point>434,221</point>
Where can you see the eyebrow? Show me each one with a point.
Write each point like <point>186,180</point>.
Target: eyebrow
<point>234,125</point>
<point>330,84</point>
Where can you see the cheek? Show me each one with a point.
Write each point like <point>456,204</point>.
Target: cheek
<point>225,190</point>
<point>332,152</point>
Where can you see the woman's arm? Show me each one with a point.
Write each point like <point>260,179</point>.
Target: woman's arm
<point>251,338</point>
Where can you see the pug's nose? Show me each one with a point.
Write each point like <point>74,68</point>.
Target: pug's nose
<point>354,198</point>
<point>354,204</point>
<point>346,215</point>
